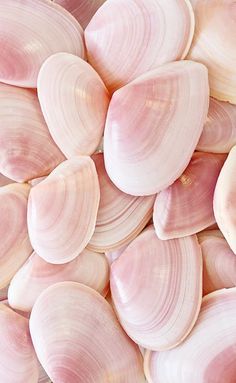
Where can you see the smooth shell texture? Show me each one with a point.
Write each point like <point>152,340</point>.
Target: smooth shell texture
<point>214,45</point>
<point>18,360</point>
<point>3,293</point>
<point>78,339</point>
<point>224,200</point>
<point>219,264</point>
<point>219,132</point>
<point>43,378</point>
<point>5,180</point>
<point>153,126</point>
<point>121,217</point>
<point>82,10</point>
<point>15,246</point>
<point>186,207</point>
<point>74,102</point>
<point>147,34</point>
<point>36,275</point>
<point>156,288</point>
<point>26,148</point>
<point>208,355</point>
<point>62,210</point>
<point>113,255</point>
<point>31,31</point>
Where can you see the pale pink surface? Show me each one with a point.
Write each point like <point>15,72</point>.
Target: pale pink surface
<point>31,31</point>
<point>82,10</point>
<point>27,149</point>
<point>219,264</point>
<point>208,355</point>
<point>36,275</point>
<point>43,378</point>
<point>186,207</point>
<point>153,126</point>
<point>114,254</point>
<point>121,217</point>
<point>219,132</point>
<point>15,246</point>
<point>147,34</point>
<point>78,338</point>
<point>18,360</point>
<point>3,293</point>
<point>5,180</point>
<point>156,288</point>
<point>62,210</point>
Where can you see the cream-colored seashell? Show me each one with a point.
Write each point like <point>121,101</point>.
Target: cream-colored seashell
<point>214,45</point>
<point>186,207</point>
<point>18,360</point>
<point>15,246</point>
<point>82,10</point>
<point>26,148</point>
<point>78,339</point>
<point>31,31</point>
<point>225,200</point>
<point>43,377</point>
<point>121,217</point>
<point>3,293</point>
<point>62,210</point>
<point>219,132</point>
<point>153,127</point>
<point>156,288</point>
<point>74,101</point>
<point>208,354</point>
<point>147,34</point>
<point>89,268</point>
<point>209,233</point>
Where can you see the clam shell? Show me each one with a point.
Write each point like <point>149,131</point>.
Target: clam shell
<point>15,246</point>
<point>156,288</point>
<point>5,180</point>
<point>74,101</point>
<point>31,31</point>
<point>36,275</point>
<point>208,354</point>
<point>78,339</point>
<point>147,34</point>
<point>153,126</point>
<point>186,207</point>
<point>121,217</point>
<point>62,210</point>
<point>26,148</point>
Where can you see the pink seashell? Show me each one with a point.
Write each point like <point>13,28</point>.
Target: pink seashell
<point>113,255</point>
<point>156,288</point>
<point>31,31</point>
<point>219,132</point>
<point>209,233</point>
<point>147,34</point>
<point>4,180</point>
<point>18,360</point>
<point>43,378</point>
<point>153,127</point>
<point>208,354</point>
<point>62,210</point>
<point>74,102</point>
<point>186,207</point>
<point>78,339</point>
<point>26,148</point>
<point>15,246</point>
<point>3,293</point>
<point>36,275</point>
<point>121,217</point>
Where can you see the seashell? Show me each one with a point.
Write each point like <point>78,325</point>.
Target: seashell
<point>113,255</point>
<point>22,313</point>
<point>62,210</point>
<point>43,378</point>
<point>214,45</point>
<point>208,354</point>
<point>31,31</point>
<point>219,264</point>
<point>5,180</point>
<point>224,200</point>
<point>152,32</point>
<point>209,233</point>
<point>26,148</point>
<point>74,101</point>
<point>158,110</point>
<point>82,10</point>
<point>78,339</point>
<point>186,207</point>
<point>15,246</point>
<point>36,275</point>
<point>3,293</point>
<point>121,217</point>
<point>219,132</point>
<point>156,288</point>
<point>18,360</point>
